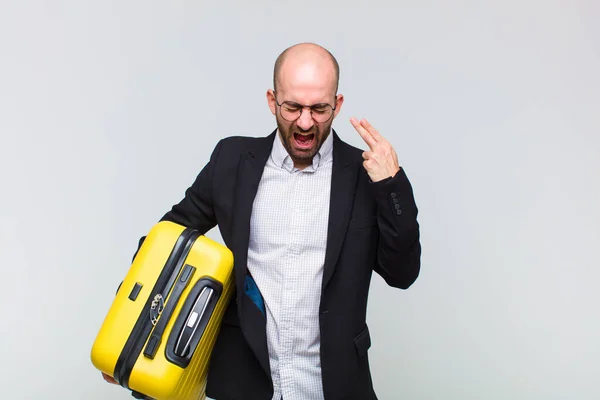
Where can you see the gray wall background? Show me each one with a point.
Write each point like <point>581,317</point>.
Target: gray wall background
<point>108,110</point>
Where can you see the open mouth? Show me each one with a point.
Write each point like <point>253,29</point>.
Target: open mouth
<point>304,141</point>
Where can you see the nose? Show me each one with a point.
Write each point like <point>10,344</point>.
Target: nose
<point>305,121</point>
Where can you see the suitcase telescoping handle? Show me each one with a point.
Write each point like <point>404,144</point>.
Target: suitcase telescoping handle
<point>192,321</point>
<point>196,318</point>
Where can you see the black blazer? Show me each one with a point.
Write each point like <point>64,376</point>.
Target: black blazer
<point>372,227</point>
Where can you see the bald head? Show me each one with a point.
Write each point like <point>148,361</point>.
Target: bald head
<point>308,59</point>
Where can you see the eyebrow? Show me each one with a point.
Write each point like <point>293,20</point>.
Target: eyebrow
<point>312,105</point>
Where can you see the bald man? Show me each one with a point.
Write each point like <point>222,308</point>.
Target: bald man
<point>308,218</point>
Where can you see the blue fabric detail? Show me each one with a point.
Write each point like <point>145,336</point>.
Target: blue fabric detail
<point>252,291</point>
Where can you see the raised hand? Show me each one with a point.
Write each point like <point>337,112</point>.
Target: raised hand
<point>381,160</point>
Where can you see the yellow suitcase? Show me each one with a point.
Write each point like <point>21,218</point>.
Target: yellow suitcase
<point>157,336</point>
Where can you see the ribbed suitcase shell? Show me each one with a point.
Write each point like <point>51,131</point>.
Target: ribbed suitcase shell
<point>160,378</point>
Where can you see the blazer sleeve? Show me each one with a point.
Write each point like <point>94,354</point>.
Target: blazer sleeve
<point>195,210</point>
<point>399,247</point>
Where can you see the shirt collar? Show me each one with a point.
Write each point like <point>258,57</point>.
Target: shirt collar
<point>282,159</point>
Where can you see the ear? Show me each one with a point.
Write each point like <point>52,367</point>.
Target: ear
<point>339,100</point>
<point>271,101</point>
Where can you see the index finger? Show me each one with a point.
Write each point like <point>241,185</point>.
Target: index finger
<point>367,137</point>
<point>374,132</point>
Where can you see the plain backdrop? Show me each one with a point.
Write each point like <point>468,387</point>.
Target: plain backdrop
<point>109,109</point>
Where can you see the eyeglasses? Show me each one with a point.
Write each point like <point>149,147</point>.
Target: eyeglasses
<point>291,111</point>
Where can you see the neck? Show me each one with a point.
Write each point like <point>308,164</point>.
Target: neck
<point>302,163</point>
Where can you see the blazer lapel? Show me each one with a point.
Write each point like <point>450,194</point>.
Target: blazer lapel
<point>250,169</point>
<point>343,184</point>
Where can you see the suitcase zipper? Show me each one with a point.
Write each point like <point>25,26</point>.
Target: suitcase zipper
<point>159,328</point>
<point>145,323</point>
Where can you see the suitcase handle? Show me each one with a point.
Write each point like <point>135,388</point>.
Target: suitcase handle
<point>192,321</point>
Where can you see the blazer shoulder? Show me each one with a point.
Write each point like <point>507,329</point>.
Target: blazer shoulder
<point>242,143</point>
<point>231,148</point>
<point>349,151</point>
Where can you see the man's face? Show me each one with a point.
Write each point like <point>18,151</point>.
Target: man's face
<point>304,86</point>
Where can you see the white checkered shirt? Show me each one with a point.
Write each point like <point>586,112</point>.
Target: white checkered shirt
<point>288,234</point>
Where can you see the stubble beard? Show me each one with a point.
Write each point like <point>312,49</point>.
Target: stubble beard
<point>302,157</point>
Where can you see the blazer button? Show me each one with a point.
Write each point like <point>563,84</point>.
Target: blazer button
<point>393,195</point>
<point>395,201</point>
<point>398,211</point>
<point>397,206</point>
